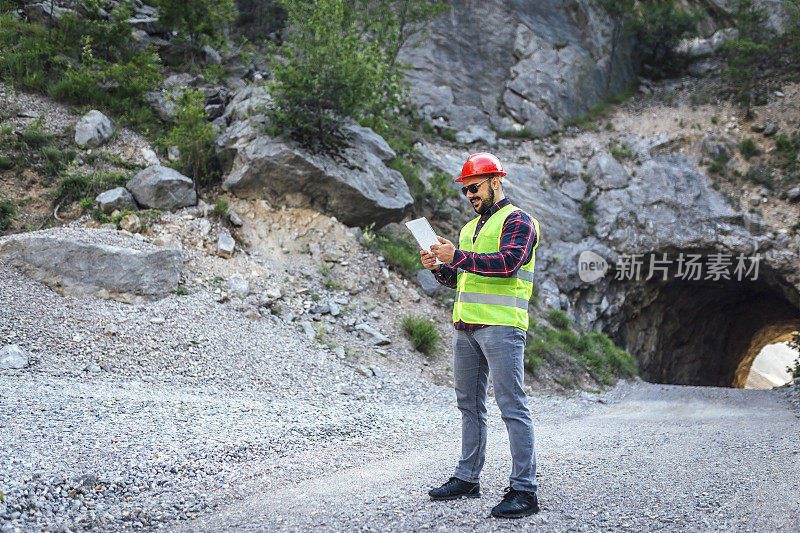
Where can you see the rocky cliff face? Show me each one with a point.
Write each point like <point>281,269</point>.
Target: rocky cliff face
<point>515,64</point>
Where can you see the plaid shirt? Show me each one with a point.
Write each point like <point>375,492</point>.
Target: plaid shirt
<point>516,246</point>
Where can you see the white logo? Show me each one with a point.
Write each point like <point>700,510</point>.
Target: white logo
<point>591,266</point>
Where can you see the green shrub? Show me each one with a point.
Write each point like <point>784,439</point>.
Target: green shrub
<point>421,332</point>
<point>587,212</point>
<point>411,176</point>
<point>621,152</point>
<point>8,210</point>
<point>77,185</point>
<point>523,133</point>
<point>787,150</point>
<point>448,135</point>
<point>717,165</point>
<point>399,253</point>
<point>197,20</point>
<point>441,189</point>
<point>339,60</point>
<point>761,175</point>
<point>747,52</point>
<point>221,207</point>
<point>559,319</point>
<point>658,27</point>
<point>194,136</point>
<point>748,148</point>
<point>56,160</point>
<point>257,19</point>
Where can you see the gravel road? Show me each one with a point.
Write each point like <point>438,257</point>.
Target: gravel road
<point>206,421</point>
<point>655,457</point>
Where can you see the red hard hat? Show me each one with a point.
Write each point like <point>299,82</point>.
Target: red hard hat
<point>481,163</point>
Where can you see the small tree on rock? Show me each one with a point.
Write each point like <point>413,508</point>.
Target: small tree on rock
<point>339,59</point>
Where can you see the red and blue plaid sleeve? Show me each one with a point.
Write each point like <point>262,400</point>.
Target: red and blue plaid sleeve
<point>516,244</point>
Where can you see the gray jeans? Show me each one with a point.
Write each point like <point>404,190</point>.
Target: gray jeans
<point>501,350</point>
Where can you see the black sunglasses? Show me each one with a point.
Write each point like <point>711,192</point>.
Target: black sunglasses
<point>474,187</point>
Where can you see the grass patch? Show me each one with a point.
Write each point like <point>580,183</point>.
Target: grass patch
<point>77,185</point>
<point>408,169</point>
<point>748,148</point>
<point>587,212</point>
<point>221,207</point>
<point>558,318</point>
<point>761,175</point>
<point>86,59</point>
<point>398,252</point>
<point>600,110</point>
<point>592,352</point>
<point>8,209</point>
<point>787,151</point>
<point>717,165</point>
<point>421,332</point>
<point>621,152</point>
<point>522,133</point>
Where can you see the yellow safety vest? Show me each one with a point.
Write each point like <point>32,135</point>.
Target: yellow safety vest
<point>493,300</point>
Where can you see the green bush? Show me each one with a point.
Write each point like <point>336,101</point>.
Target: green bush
<point>221,207</point>
<point>340,60</point>
<point>410,174</point>
<point>194,136</point>
<point>8,210</point>
<point>788,149</point>
<point>748,148</point>
<point>717,165</point>
<point>198,21</point>
<point>593,351</point>
<point>747,52</point>
<point>761,175</point>
<point>587,212</point>
<point>87,59</point>
<point>441,189</point>
<point>559,319</point>
<point>422,333</point>
<point>399,253</point>
<point>257,19</point>
<point>657,26</point>
<point>35,136</point>
<point>77,185</point>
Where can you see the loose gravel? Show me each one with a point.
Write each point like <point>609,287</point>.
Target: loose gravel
<point>183,414</point>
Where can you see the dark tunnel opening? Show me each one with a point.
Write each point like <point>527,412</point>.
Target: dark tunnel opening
<point>703,332</point>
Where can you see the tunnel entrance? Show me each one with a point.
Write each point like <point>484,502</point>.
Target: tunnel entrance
<point>704,333</point>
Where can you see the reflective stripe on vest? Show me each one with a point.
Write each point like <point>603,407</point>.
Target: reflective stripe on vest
<point>493,300</point>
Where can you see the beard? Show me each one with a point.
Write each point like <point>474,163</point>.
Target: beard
<point>486,203</point>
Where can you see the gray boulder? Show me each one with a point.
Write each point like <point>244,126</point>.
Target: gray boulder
<point>12,356</point>
<point>164,188</point>
<point>356,186</point>
<point>605,172</point>
<point>794,194</point>
<point>717,146</point>
<point>477,133</point>
<point>119,198</point>
<point>44,12</point>
<point>564,169</point>
<point>100,263</point>
<point>93,129</point>
<point>368,140</point>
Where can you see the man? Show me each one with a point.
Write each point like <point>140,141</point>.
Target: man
<point>492,269</point>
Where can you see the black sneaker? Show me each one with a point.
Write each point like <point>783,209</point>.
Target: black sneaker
<point>516,504</point>
<point>456,488</point>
